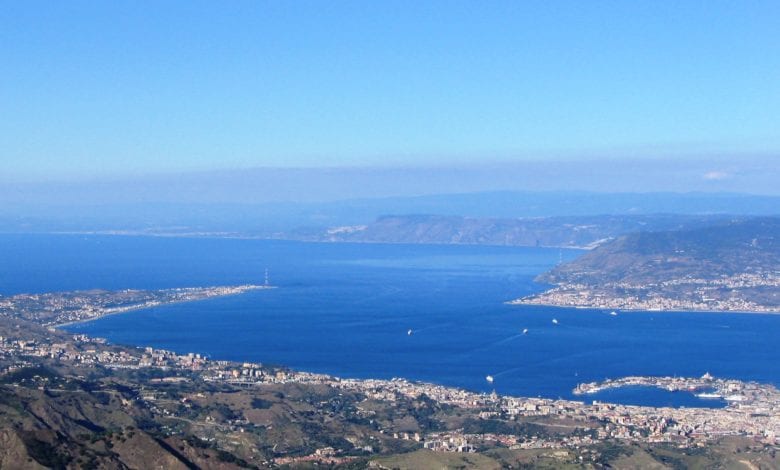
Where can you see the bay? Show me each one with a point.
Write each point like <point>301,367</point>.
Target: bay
<point>346,309</point>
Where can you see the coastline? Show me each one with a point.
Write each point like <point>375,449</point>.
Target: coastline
<point>130,308</point>
<point>240,236</point>
<point>689,295</point>
<point>669,424</point>
<point>743,415</point>
<point>641,310</point>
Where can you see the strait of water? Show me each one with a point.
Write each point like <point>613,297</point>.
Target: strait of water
<point>345,309</point>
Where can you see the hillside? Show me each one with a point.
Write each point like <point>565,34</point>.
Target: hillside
<point>725,249</point>
<point>730,265</point>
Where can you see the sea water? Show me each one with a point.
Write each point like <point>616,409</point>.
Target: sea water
<point>346,310</point>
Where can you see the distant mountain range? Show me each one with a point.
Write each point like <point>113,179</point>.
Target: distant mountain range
<point>26,213</point>
<point>571,232</point>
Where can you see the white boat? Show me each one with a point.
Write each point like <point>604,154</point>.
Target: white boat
<point>489,378</point>
<point>613,313</point>
<point>709,395</point>
<point>525,331</point>
<point>409,333</point>
<point>555,321</point>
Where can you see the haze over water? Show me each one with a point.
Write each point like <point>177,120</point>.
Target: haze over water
<point>346,309</point>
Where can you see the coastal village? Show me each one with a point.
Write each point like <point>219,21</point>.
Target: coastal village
<point>62,308</point>
<point>685,294</point>
<point>752,410</point>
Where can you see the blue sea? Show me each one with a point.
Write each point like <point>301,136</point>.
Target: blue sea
<point>345,309</point>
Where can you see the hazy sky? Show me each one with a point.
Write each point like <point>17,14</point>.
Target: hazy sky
<point>132,87</point>
<point>259,185</point>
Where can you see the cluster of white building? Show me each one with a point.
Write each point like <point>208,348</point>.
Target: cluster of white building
<point>753,409</point>
<point>682,294</point>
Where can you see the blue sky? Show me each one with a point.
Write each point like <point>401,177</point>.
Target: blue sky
<point>130,87</point>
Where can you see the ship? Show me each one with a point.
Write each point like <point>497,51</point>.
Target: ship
<point>489,378</point>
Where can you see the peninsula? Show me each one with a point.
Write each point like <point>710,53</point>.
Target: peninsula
<point>726,267</point>
<point>61,308</point>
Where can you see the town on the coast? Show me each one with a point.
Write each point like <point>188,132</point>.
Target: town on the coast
<point>61,308</point>
<point>752,410</point>
<point>732,293</point>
